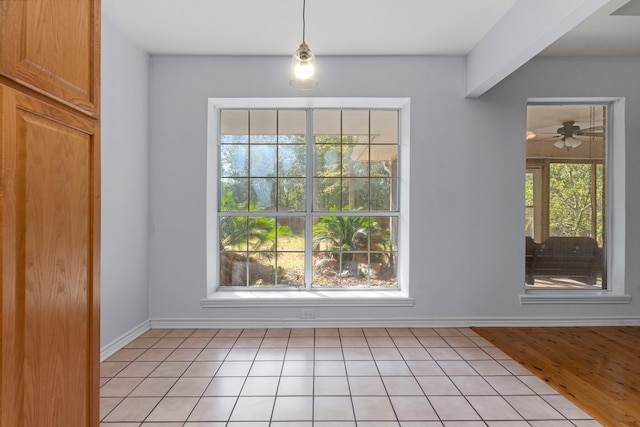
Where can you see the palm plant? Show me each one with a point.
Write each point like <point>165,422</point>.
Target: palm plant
<point>345,234</point>
<point>259,233</point>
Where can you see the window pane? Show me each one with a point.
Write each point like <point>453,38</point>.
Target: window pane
<point>384,194</point>
<point>354,251</point>
<point>292,126</point>
<point>262,269</point>
<point>290,268</point>
<point>355,122</point>
<point>383,233</point>
<point>291,194</point>
<point>234,126</point>
<point>355,194</point>
<point>233,269</point>
<point>384,160</point>
<point>384,127</point>
<point>262,234</point>
<point>565,196</point>
<point>233,160</point>
<point>233,233</point>
<point>385,266</point>
<point>341,233</point>
<point>263,160</point>
<point>263,126</point>
<point>291,160</point>
<point>354,269</point>
<point>326,123</point>
<point>327,192</point>
<point>291,234</point>
<point>325,269</point>
<point>263,194</point>
<point>234,194</point>
<point>327,160</point>
<point>356,160</point>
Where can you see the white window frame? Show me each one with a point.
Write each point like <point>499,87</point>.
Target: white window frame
<point>615,217</point>
<point>218,297</point>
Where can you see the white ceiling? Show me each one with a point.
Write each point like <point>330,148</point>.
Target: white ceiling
<point>604,33</point>
<point>333,27</point>
<point>352,27</point>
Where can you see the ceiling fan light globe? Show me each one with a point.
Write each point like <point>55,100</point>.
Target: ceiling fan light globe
<point>572,142</point>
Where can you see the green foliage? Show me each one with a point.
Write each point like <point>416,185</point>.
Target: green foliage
<point>342,180</point>
<point>257,234</point>
<point>528,189</point>
<point>528,203</point>
<point>571,200</point>
<point>340,234</point>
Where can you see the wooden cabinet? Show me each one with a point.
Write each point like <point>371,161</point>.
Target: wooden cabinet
<point>50,194</point>
<point>53,47</point>
<point>50,213</point>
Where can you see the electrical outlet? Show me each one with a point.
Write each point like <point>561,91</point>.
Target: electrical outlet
<point>307,314</point>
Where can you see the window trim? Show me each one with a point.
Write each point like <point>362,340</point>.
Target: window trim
<point>615,214</point>
<point>216,297</point>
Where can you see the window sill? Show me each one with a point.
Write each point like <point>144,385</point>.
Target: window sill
<point>351,298</point>
<point>573,297</point>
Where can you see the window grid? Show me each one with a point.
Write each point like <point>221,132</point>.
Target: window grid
<point>310,215</point>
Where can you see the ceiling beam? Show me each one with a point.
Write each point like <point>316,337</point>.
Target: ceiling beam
<point>527,28</point>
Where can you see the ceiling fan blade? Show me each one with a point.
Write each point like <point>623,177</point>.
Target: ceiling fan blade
<point>547,139</point>
<point>593,128</point>
<point>592,134</point>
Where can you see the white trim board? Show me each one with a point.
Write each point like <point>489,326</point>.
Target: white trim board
<point>460,322</point>
<point>124,339</point>
<point>314,298</point>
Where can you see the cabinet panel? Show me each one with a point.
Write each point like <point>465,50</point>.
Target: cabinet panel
<point>50,246</point>
<point>53,47</point>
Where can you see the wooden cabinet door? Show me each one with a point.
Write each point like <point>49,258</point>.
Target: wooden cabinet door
<point>53,47</point>
<point>49,249</point>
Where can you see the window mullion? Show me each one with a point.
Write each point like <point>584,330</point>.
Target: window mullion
<point>308,245</point>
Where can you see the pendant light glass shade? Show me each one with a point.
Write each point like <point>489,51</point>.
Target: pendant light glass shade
<point>303,69</point>
<point>303,64</point>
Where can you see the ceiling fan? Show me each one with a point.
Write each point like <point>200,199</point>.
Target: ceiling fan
<point>566,135</point>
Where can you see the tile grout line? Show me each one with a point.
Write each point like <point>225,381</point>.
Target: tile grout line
<point>314,359</point>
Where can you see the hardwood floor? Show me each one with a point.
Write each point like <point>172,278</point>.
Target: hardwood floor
<point>598,368</point>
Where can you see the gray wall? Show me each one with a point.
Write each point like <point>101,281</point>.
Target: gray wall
<point>125,185</point>
<point>467,159</point>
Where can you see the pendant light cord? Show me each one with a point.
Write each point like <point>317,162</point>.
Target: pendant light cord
<point>304,24</point>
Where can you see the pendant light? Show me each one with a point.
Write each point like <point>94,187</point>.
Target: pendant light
<point>303,64</point>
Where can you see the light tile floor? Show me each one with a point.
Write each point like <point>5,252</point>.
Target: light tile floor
<point>373,377</point>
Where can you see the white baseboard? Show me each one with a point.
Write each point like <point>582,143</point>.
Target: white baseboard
<point>393,323</point>
<point>461,322</point>
<point>117,344</point>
